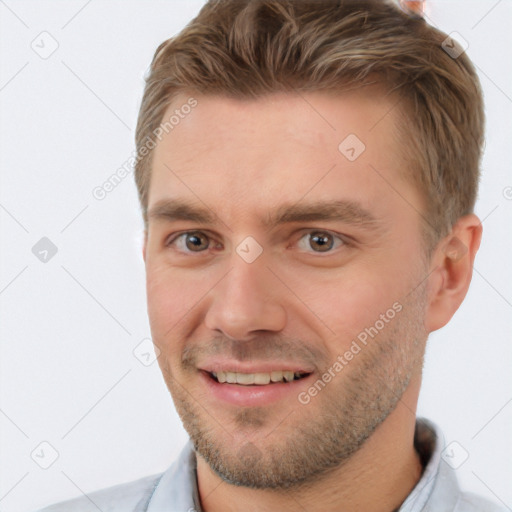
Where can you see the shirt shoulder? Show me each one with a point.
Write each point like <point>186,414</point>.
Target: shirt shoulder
<point>469,502</point>
<point>128,497</point>
<point>438,489</point>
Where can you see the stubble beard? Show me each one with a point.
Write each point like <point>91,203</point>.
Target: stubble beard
<point>333,426</point>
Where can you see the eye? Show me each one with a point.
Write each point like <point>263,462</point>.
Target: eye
<point>319,241</point>
<point>192,241</point>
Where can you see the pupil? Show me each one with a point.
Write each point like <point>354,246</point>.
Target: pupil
<point>322,241</point>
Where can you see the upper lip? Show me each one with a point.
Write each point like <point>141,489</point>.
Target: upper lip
<point>224,365</point>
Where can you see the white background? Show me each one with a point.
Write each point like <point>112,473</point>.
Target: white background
<point>69,326</point>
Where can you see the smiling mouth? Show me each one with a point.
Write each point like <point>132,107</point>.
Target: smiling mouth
<point>258,379</point>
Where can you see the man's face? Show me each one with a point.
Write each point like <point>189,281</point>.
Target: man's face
<point>271,248</point>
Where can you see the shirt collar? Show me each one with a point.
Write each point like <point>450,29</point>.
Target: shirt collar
<point>427,442</point>
<point>177,488</point>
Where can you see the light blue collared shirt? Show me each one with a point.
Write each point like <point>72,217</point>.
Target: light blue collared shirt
<point>176,489</point>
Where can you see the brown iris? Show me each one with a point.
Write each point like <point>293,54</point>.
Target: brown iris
<point>321,242</point>
<point>196,241</point>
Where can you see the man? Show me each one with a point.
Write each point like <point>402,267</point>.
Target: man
<point>307,173</point>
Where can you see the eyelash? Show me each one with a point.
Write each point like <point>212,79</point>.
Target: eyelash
<point>343,241</point>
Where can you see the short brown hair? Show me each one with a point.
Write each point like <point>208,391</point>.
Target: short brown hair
<point>250,48</point>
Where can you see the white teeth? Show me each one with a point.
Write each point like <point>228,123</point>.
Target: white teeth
<point>247,379</point>
<point>288,376</point>
<point>261,378</point>
<point>276,376</point>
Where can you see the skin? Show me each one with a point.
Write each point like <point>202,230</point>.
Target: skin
<point>350,447</point>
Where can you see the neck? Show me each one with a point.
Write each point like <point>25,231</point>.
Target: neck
<point>377,478</point>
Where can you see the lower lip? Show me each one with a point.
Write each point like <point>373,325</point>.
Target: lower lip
<point>254,395</point>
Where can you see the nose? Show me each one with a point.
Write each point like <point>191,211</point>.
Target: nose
<point>246,301</point>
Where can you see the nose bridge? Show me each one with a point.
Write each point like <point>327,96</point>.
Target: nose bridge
<point>246,286</point>
<point>245,300</point>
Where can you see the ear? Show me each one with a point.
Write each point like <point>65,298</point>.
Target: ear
<point>451,271</point>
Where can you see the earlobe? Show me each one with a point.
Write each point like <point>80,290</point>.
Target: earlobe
<point>451,271</point>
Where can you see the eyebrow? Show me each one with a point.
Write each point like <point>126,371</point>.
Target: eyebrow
<point>345,211</point>
<point>349,212</point>
<point>176,209</point>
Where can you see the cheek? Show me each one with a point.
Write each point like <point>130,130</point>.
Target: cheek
<point>169,300</point>
<point>177,300</point>
<point>348,304</point>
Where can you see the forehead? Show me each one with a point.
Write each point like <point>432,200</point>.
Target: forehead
<point>245,156</point>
